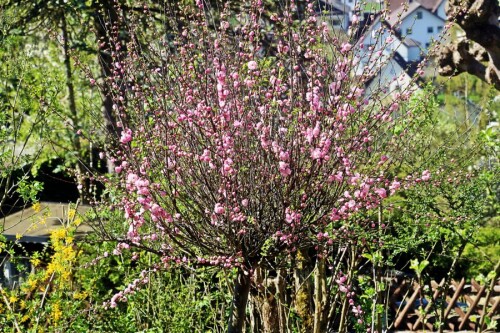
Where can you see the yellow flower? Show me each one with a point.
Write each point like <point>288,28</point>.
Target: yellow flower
<point>35,261</point>
<point>37,207</point>
<point>77,222</point>
<point>56,312</point>
<point>71,214</point>
<point>80,296</point>
<point>57,235</point>
<point>18,236</point>
<point>13,299</point>
<point>66,275</point>
<point>31,284</point>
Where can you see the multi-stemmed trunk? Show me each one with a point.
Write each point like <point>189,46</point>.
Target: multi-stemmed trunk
<point>239,302</point>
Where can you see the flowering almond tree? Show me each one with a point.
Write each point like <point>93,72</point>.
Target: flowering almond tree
<point>239,156</point>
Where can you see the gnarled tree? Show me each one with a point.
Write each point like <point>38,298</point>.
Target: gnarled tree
<point>478,52</point>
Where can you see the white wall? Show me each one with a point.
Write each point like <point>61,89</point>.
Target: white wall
<point>440,11</point>
<point>380,42</point>
<point>413,53</point>
<point>421,25</point>
<point>392,78</point>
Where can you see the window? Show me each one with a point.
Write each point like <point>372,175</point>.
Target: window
<point>430,30</point>
<point>440,28</point>
<point>408,31</point>
<point>12,274</point>
<point>419,15</point>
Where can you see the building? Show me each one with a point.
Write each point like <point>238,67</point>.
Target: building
<point>416,23</point>
<point>394,75</point>
<point>28,231</point>
<point>436,7</point>
<point>333,12</point>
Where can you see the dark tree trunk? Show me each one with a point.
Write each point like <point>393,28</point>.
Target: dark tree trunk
<point>106,19</point>
<point>108,29</point>
<point>76,144</point>
<point>240,298</point>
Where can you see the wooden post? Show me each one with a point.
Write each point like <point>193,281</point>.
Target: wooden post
<point>437,291</point>
<point>491,289</point>
<point>454,299</point>
<point>472,307</point>
<point>408,306</point>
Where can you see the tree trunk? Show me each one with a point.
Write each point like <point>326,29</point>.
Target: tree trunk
<point>477,53</point>
<point>320,296</point>
<point>76,144</point>
<point>240,298</point>
<point>268,302</point>
<point>303,288</point>
<point>106,20</point>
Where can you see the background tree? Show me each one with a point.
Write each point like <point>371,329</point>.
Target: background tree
<point>478,52</point>
<point>23,102</point>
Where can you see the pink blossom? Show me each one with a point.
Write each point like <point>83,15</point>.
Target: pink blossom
<point>394,186</point>
<point>426,175</point>
<point>218,209</point>
<point>284,156</point>
<point>126,136</point>
<point>228,166</point>
<point>346,47</point>
<point>284,169</point>
<point>252,65</point>
<point>132,178</point>
<point>394,107</point>
<point>316,154</point>
<point>381,192</point>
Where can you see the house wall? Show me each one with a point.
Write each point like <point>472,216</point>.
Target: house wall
<point>335,21</point>
<point>391,76</point>
<point>441,10</point>
<point>422,26</point>
<point>402,50</point>
<point>377,38</point>
<point>385,77</point>
<point>339,21</point>
<point>351,4</point>
<point>380,43</point>
<point>413,54</point>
